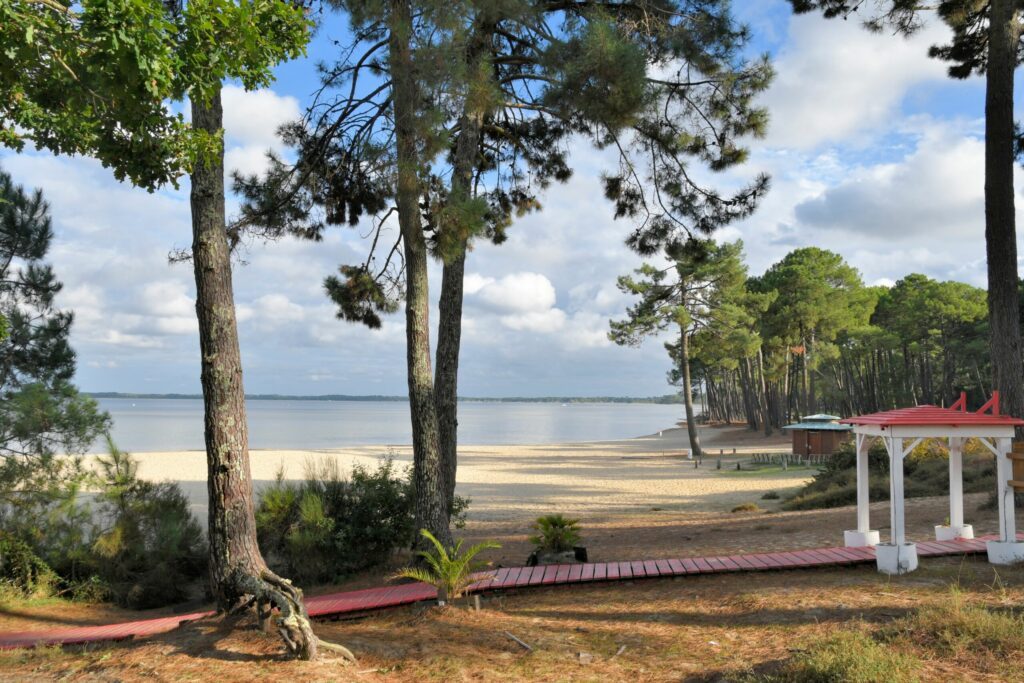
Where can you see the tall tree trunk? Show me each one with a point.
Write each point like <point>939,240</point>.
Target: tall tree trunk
<point>446,384</point>
<point>765,408</point>
<point>691,420</point>
<point>1000,227</point>
<point>449,332</point>
<point>431,509</point>
<point>237,569</point>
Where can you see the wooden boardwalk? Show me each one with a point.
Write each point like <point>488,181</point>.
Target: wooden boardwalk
<point>509,578</point>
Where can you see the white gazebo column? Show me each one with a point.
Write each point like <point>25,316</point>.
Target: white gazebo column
<point>862,535</point>
<point>956,527</point>
<point>897,556</point>
<point>1007,550</point>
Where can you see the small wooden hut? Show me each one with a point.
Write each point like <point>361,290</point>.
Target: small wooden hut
<point>818,434</point>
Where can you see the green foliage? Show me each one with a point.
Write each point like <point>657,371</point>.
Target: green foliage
<point>957,629</point>
<point>131,541</point>
<point>40,410</point>
<point>555,533</point>
<point>22,570</point>
<point>447,569</point>
<point>96,77</point>
<point>664,84</point>
<point>151,549</point>
<point>327,526</point>
<point>926,473</point>
<point>848,657</point>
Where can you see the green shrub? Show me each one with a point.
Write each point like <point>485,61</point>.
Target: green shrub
<point>135,542</point>
<point>746,507</point>
<point>849,657</point>
<point>926,474</point>
<point>327,526</point>
<point>555,533</point>
<point>955,629</point>
<point>151,550</point>
<point>22,571</point>
<point>447,569</point>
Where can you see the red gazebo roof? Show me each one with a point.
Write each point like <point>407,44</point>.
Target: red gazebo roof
<point>955,416</point>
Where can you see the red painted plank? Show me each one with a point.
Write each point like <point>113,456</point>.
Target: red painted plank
<point>537,577</point>
<point>575,573</point>
<point>613,570</point>
<point>651,568</point>
<point>524,576</point>
<point>625,570</point>
<point>690,566</point>
<point>549,574</point>
<point>638,569</point>
<point>703,566</point>
<point>677,567</point>
<point>588,573</point>
<point>600,571</point>
<point>664,568</point>
<point>744,563</point>
<point>758,561</point>
<point>509,579</point>
<point>562,573</point>
<point>718,564</point>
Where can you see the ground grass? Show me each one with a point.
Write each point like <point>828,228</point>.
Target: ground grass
<point>794,471</point>
<point>951,620</point>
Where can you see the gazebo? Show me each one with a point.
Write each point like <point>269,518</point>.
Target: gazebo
<point>901,431</point>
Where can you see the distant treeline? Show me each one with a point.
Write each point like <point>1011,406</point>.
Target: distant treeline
<point>661,400</point>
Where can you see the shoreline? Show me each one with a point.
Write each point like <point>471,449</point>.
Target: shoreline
<point>527,480</point>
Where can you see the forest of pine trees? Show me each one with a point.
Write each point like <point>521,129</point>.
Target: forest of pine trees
<point>826,342</point>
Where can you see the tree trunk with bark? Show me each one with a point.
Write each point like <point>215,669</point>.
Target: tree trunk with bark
<point>431,509</point>
<point>691,420</point>
<point>1000,226</point>
<point>238,574</point>
<point>449,329</point>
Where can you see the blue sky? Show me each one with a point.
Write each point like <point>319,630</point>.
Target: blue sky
<point>874,153</point>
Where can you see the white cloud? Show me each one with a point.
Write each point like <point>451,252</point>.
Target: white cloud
<point>834,79</point>
<point>519,293</point>
<point>550,320</point>
<point>253,118</point>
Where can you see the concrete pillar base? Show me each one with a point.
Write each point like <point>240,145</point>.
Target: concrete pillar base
<point>896,559</point>
<point>860,539</point>
<point>951,533</point>
<point>1005,552</point>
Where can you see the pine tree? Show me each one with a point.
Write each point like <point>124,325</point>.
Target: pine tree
<point>95,78</point>
<point>701,293</point>
<point>500,95</point>
<point>41,412</point>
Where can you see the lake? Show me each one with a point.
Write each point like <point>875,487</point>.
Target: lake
<point>142,425</point>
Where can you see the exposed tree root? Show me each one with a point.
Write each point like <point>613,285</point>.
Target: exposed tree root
<point>292,623</point>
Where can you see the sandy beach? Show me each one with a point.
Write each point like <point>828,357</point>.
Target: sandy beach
<point>524,481</point>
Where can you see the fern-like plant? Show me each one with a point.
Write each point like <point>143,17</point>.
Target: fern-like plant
<point>556,533</point>
<point>448,570</point>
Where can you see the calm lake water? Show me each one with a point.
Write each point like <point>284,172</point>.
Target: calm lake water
<point>177,424</point>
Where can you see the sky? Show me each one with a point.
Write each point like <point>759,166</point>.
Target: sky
<point>874,153</point>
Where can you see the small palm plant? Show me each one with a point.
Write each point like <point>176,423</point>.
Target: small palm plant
<point>556,533</point>
<point>448,570</point>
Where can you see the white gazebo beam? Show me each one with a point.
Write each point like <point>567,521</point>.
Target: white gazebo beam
<point>1007,550</point>
<point>897,556</point>
<point>863,535</point>
<point>956,527</point>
